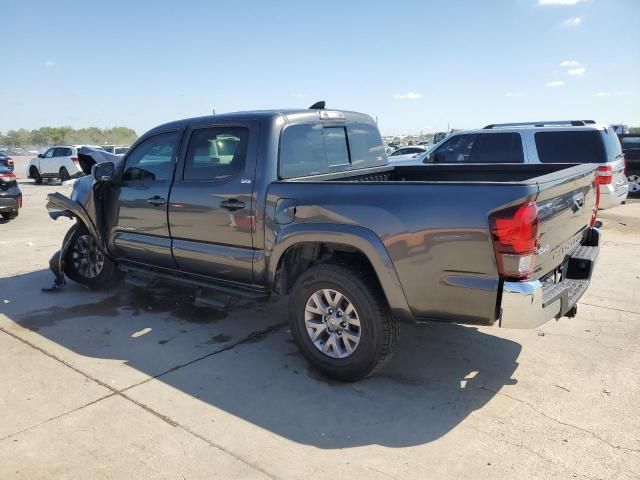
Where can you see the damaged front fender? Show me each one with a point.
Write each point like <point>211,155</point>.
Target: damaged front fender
<point>60,206</point>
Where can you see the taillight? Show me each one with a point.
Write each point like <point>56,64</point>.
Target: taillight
<point>605,175</point>
<point>514,232</point>
<point>7,177</point>
<point>74,159</point>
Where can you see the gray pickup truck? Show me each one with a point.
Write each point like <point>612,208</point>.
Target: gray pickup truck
<point>303,203</point>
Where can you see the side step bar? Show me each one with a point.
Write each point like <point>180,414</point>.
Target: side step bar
<point>248,293</point>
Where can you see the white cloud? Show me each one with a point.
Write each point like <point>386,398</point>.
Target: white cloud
<point>407,96</point>
<point>570,63</point>
<point>572,22</point>
<point>577,72</point>
<point>49,63</point>
<point>610,94</point>
<point>546,3</point>
<point>515,94</point>
<point>556,83</point>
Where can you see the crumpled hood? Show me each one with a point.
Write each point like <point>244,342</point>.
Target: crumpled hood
<point>88,157</point>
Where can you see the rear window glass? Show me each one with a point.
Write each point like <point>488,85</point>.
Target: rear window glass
<point>367,149</point>
<point>571,147</point>
<point>311,149</point>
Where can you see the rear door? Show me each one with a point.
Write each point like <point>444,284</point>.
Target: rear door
<point>211,206</point>
<point>139,230</point>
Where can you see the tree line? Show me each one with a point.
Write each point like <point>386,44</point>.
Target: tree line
<point>66,135</point>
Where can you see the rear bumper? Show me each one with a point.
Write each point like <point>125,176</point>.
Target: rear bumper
<point>9,203</point>
<point>533,303</point>
<point>610,196</point>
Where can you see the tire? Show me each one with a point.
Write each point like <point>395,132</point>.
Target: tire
<point>63,174</point>
<point>35,174</point>
<point>87,265</point>
<point>634,184</point>
<point>10,215</point>
<point>378,331</point>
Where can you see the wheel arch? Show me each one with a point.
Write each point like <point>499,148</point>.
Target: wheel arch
<point>313,242</point>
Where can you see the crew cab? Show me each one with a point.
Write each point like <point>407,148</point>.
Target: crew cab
<point>304,203</point>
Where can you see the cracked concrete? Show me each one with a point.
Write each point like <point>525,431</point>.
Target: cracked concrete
<point>126,384</point>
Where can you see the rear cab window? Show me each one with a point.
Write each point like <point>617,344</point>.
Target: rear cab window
<point>315,149</point>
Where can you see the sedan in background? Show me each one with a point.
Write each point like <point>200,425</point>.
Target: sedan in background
<point>6,161</point>
<point>10,194</point>
<point>406,153</point>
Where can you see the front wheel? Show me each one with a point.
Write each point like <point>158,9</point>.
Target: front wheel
<point>634,185</point>
<point>341,322</point>
<point>86,264</point>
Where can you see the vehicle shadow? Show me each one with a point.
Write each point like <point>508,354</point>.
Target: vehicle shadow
<point>440,374</point>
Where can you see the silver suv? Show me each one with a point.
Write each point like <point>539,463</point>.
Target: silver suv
<point>565,141</point>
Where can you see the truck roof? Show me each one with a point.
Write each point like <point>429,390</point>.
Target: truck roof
<point>290,115</point>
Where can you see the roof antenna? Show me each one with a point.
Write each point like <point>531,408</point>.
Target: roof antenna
<point>318,105</point>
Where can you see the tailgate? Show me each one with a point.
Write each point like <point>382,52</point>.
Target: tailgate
<point>566,205</point>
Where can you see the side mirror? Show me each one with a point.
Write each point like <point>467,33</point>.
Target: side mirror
<point>103,172</point>
<point>40,155</point>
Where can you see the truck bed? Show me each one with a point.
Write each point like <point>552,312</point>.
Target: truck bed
<point>434,222</point>
<point>491,173</point>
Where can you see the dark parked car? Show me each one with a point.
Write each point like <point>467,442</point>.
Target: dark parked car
<point>631,148</point>
<point>10,194</point>
<point>6,161</point>
<point>303,203</point>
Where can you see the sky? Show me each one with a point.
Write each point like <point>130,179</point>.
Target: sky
<point>418,66</point>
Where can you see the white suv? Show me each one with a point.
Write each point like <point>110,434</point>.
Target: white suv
<point>60,161</point>
<point>567,141</point>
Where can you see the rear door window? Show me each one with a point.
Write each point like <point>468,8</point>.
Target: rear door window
<point>216,154</point>
<point>497,148</point>
<point>571,147</point>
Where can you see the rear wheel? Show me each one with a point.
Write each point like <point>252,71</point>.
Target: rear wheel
<point>35,174</point>
<point>86,264</point>
<point>634,185</point>
<point>341,322</point>
<point>64,174</point>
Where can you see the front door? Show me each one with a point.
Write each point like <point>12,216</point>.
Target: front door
<point>140,232</point>
<point>47,162</point>
<point>210,207</point>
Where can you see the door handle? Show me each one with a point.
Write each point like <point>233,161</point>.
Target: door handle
<point>156,200</point>
<point>232,204</point>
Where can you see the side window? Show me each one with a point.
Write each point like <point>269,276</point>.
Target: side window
<point>59,152</point>
<point>455,150</point>
<point>49,153</point>
<point>216,153</point>
<point>400,151</point>
<point>570,147</point>
<point>497,148</point>
<point>152,159</point>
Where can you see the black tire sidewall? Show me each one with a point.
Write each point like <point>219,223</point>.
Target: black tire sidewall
<point>105,278</point>
<point>367,354</point>
<point>64,174</point>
